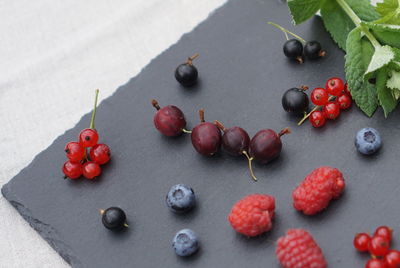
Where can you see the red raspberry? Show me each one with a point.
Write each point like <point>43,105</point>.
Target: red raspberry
<point>253,214</point>
<point>317,189</point>
<point>299,249</point>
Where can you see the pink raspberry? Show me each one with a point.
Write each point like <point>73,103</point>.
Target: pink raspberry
<point>298,249</point>
<point>318,189</point>
<point>253,214</point>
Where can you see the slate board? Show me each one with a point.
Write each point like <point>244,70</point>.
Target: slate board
<point>243,75</point>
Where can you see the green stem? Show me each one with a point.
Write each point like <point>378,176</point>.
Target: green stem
<point>357,21</point>
<point>286,31</point>
<point>94,110</point>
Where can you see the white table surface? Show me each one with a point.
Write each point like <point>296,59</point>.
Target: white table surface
<point>53,54</point>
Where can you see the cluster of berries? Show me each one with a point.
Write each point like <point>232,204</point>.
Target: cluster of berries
<point>80,162</point>
<point>379,247</point>
<point>253,216</point>
<point>294,49</point>
<point>265,146</point>
<point>180,199</point>
<point>328,101</point>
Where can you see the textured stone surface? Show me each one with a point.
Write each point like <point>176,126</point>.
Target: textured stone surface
<point>243,75</point>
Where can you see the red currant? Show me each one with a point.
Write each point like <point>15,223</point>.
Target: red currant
<point>72,170</point>
<point>361,241</point>
<point>344,101</point>
<point>384,231</point>
<point>376,263</point>
<point>319,96</point>
<point>317,119</point>
<point>346,89</point>
<point>88,137</point>
<point>393,259</point>
<point>334,86</point>
<point>378,246</point>
<point>331,110</point>
<point>75,151</point>
<point>91,170</point>
<point>100,153</point>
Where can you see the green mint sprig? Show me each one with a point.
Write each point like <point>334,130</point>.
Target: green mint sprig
<point>371,38</point>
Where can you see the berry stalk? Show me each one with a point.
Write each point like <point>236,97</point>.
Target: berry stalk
<point>285,31</point>
<point>307,115</point>
<point>94,109</point>
<point>250,161</point>
<point>190,59</point>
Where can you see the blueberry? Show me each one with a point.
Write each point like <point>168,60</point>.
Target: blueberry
<point>113,218</point>
<point>368,141</point>
<point>180,198</point>
<point>185,242</point>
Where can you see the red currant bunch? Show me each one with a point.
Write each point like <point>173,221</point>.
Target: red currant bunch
<point>328,101</point>
<point>379,247</point>
<point>86,155</point>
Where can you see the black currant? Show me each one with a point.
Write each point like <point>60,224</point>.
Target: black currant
<point>295,101</point>
<point>293,49</point>
<point>313,50</point>
<point>113,218</point>
<point>186,73</point>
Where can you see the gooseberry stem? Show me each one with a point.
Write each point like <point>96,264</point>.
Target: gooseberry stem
<point>250,160</point>
<point>284,131</point>
<point>155,104</point>
<point>287,31</point>
<point>184,130</point>
<point>201,115</point>
<point>220,125</point>
<point>94,109</point>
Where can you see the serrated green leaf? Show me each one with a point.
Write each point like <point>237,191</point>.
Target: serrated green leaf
<point>338,23</point>
<point>382,56</point>
<point>359,54</point>
<point>394,81</point>
<point>385,96</point>
<point>302,10</point>
<point>389,11</point>
<point>386,34</point>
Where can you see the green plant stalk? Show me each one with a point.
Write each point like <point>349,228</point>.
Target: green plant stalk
<point>285,31</point>
<point>94,110</point>
<point>357,21</point>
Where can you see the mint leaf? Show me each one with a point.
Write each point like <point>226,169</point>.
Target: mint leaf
<point>385,96</point>
<point>359,54</point>
<point>382,56</point>
<point>385,33</point>
<point>302,10</point>
<point>389,11</point>
<point>339,24</point>
<point>394,81</point>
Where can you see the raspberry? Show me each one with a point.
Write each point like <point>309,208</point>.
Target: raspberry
<point>253,214</point>
<point>317,189</point>
<point>299,249</point>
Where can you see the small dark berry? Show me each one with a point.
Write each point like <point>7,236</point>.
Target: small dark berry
<point>313,50</point>
<point>293,49</point>
<point>113,218</point>
<point>295,101</point>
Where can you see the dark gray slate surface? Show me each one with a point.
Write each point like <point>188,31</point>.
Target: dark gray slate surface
<point>243,75</point>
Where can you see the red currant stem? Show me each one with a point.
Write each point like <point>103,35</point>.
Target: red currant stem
<point>220,125</point>
<point>155,104</point>
<point>190,59</point>
<point>94,109</point>
<point>287,31</point>
<point>184,130</point>
<point>201,115</point>
<point>250,160</point>
<point>313,110</point>
<point>284,131</point>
